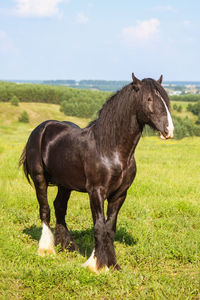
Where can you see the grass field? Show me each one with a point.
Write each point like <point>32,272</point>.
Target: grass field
<point>158,233</point>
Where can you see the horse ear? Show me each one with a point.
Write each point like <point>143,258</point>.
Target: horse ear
<point>136,81</point>
<point>160,79</point>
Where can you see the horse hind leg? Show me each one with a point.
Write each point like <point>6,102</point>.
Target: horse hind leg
<point>46,243</point>
<point>62,234</point>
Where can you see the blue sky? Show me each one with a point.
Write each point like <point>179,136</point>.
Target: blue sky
<point>88,39</point>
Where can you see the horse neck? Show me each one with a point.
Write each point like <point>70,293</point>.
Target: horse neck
<point>117,128</point>
<point>129,140</point>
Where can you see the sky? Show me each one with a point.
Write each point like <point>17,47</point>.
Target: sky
<point>105,39</point>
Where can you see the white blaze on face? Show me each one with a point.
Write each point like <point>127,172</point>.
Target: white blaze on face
<point>170,126</point>
<point>46,243</point>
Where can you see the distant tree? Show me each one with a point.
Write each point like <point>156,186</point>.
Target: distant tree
<point>194,108</point>
<point>184,127</point>
<point>189,107</point>
<point>179,108</point>
<point>24,117</point>
<point>14,101</point>
<point>198,120</point>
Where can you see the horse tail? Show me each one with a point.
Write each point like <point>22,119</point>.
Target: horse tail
<point>32,160</point>
<point>23,161</point>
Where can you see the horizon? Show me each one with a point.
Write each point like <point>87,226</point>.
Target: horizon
<point>89,79</point>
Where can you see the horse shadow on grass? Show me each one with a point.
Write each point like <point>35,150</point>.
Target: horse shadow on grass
<point>85,238</point>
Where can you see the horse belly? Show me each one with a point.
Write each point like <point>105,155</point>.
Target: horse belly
<point>66,170</point>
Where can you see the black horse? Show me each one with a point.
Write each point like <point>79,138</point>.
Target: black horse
<point>98,160</point>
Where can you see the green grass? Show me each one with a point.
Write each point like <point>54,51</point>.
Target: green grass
<point>158,234</point>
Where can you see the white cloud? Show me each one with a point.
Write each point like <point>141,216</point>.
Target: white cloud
<point>37,8</point>
<point>81,18</point>
<point>144,31</point>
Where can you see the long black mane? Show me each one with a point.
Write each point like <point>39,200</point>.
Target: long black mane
<point>111,117</point>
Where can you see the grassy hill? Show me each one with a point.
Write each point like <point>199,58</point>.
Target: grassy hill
<point>38,112</point>
<point>158,230</point>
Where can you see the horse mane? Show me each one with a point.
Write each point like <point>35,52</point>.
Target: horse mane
<point>110,121</point>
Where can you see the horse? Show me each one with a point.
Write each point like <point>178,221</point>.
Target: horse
<point>98,160</point>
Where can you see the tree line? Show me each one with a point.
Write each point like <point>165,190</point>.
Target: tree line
<point>49,93</point>
<point>186,97</point>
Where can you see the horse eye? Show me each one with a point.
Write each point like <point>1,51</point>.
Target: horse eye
<point>149,99</point>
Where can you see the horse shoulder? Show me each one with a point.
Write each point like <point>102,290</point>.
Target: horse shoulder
<point>130,171</point>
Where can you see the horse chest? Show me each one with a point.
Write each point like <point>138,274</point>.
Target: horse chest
<point>104,171</point>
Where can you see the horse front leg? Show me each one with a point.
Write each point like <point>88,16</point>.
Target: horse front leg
<point>114,206</point>
<point>99,257</point>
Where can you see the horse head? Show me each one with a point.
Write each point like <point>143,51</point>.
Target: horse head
<point>153,106</point>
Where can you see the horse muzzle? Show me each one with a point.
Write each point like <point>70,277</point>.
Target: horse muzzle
<point>169,134</point>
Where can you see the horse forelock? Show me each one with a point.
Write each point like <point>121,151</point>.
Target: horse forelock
<point>156,87</point>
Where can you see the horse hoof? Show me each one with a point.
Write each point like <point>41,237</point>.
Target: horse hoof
<point>94,269</point>
<point>46,243</point>
<point>117,267</point>
<point>72,247</point>
<point>91,264</point>
<point>43,252</point>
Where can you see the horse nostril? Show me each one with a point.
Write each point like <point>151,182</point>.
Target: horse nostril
<point>166,131</point>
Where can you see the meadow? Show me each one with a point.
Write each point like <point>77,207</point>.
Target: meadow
<point>158,231</point>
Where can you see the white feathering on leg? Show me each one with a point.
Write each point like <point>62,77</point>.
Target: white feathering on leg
<point>91,264</point>
<point>46,243</point>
